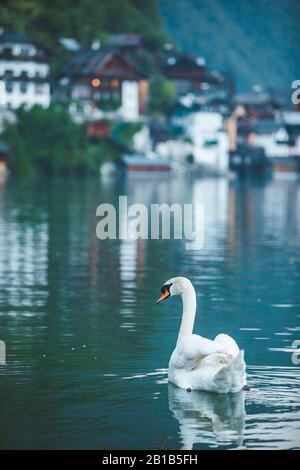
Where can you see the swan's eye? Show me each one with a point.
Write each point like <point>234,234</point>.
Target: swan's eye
<point>165,290</point>
<point>165,287</point>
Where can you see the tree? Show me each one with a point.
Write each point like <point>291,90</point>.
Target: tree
<point>162,94</point>
<point>46,20</point>
<point>48,140</point>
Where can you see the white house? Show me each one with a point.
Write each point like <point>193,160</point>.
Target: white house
<point>24,73</point>
<point>205,130</point>
<point>272,136</point>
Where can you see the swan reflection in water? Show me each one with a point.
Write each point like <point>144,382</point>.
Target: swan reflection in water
<point>199,413</point>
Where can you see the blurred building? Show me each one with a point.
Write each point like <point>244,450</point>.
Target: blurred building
<point>264,133</point>
<point>203,138</point>
<point>258,103</point>
<point>186,72</point>
<point>106,78</point>
<point>24,72</point>
<point>191,77</point>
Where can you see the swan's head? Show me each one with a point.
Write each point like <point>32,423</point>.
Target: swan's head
<point>174,286</point>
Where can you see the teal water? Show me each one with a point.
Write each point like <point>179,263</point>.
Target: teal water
<point>88,348</point>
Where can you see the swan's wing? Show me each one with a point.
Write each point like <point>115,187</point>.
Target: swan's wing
<point>228,344</point>
<point>192,348</point>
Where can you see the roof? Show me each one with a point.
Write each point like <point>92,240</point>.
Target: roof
<point>267,126</point>
<point>253,99</point>
<point>88,62</point>
<point>18,38</point>
<point>125,40</point>
<point>180,110</point>
<point>141,160</point>
<point>70,44</point>
<point>176,63</point>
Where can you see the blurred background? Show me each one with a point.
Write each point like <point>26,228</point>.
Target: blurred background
<point>162,101</point>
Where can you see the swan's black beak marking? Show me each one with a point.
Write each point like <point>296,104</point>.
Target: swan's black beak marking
<point>165,290</point>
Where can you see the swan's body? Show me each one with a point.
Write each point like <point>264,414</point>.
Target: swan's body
<point>198,363</point>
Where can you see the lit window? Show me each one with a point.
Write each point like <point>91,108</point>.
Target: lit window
<point>96,82</point>
<point>114,83</point>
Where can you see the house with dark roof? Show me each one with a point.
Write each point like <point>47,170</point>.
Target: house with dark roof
<point>24,72</point>
<point>188,73</point>
<point>258,104</point>
<point>107,78</point>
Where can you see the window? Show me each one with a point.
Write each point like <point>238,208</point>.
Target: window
<point>114,83</point>
<point>115,95</point>
<point>23,87</point>
<point>39,88</point>
<point>9,87</point>
<point>9,73</point>
<point>25,50</point>
<point>16,50</point>
<point>7,51</point>
<point>210,142</point>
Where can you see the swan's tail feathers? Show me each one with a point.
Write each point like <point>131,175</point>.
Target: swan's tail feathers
<point>232,376</point>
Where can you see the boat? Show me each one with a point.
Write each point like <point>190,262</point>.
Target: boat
<point>285,166</point>
<point>247,160</point>
<point>143,163</point>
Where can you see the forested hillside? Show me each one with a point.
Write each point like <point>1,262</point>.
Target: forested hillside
<point>85,20</point>
<point>258,40</point>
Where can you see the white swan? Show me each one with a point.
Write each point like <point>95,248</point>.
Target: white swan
<point>198,363</point>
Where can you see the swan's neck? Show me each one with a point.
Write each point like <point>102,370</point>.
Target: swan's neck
<point>189,311</point>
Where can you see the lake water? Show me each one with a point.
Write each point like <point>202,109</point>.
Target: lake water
<point>88,348</point>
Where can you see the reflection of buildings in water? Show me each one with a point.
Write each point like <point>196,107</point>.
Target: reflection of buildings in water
<point>201,412</point>
<point>23,262</point>
<point>261,208</point>
<point>132,261</point>
<point>213,193</point>
<point>132,264</point>
<point>280,206</point>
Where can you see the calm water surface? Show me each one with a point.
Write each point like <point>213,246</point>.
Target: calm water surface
<point>88,348</point>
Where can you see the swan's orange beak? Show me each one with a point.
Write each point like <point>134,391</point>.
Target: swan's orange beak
<point>164,296</point>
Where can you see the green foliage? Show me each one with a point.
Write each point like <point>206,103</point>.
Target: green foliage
<point>48,140</point>
<point>85,20</point>
<point>123,132</point>
<point>162,94</point>
<point>145,61</point>
<point>108,104</point>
